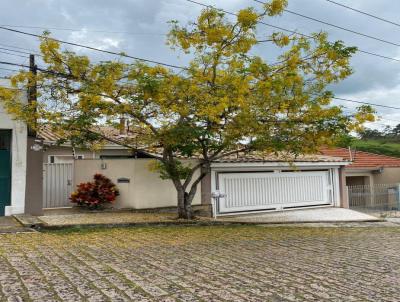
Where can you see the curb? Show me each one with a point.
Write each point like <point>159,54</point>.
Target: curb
<point>45,226</point>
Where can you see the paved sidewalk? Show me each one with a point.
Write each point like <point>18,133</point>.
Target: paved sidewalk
<point>11,225</point>
<point>231,263</point>
<point>130,218</point>
<point>118,218</point>
<point>316,215</point>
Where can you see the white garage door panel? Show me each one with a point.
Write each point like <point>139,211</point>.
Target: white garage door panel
<point>258,191</point>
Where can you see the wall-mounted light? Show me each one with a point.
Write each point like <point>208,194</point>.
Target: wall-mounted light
<point>378,171</point>
<point>36,147</point>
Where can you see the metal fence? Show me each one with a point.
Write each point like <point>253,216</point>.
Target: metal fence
<point>57,184</point>
<point>375,198</point>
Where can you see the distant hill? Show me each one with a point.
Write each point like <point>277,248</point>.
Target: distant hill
<point>377,146</point>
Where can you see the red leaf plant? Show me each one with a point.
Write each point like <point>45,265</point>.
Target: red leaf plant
<point>95,194</point>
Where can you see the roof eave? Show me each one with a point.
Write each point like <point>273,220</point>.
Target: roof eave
<point>280,164</point>
<point>68,145</point>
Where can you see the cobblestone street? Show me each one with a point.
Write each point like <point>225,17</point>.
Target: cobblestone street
<point>232,263</point>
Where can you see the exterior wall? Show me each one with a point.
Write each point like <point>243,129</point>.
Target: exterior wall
<point>388,176</point>
<point>60,150</point>
<point>144,191</point>
<point>18,161</point>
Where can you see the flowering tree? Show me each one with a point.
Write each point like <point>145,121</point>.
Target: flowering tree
<point>227,99</point>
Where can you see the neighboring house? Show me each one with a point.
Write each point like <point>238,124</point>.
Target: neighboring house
<point>66,153</point>
<point>367,168</point>
<point>13,147</point>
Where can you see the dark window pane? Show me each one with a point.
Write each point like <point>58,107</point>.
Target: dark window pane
<point>5,139</point>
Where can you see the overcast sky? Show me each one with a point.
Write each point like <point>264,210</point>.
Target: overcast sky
<point>137,27</point>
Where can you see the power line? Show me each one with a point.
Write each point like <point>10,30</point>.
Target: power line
<point>337,26</point>
<point>26,66</point>
<point>84,29</point>
<point>336,98</point>
<point>95,49</point>
<point>364,13</point>
<point>352,110</point>
<point>17,47</point>
<point>292,31</point>
<point>9,69</point>
<point>378,55</point>
<point>260,22</point>
<point>19,51</point>
<point>13,64</point>
<point>12,54</point>
<point>366,103</point>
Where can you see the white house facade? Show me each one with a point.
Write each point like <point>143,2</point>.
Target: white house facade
<point>13,163</point>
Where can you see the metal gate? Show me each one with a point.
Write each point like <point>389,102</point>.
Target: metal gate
<point>378,197</point>
<point>57,184</point>
<point>273,191</point>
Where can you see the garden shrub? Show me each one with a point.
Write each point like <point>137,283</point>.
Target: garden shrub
<point>95,194</point>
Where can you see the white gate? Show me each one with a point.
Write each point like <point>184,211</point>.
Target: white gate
<point>57,184</point>
<point>273,191</point>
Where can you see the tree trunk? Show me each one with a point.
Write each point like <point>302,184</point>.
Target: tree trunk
<point>185,210</point>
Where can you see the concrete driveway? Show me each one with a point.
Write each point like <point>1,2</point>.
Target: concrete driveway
<point>219,263</point>
<point>314,215</point>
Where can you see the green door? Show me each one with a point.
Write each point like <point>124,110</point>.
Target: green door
<point>5,169</point>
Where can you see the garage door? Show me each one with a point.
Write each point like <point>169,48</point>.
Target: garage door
<point>272,191</point>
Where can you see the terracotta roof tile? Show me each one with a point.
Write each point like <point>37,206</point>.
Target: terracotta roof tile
<point>47,133</point>
<point>253,157</point>
<point>362,159</point>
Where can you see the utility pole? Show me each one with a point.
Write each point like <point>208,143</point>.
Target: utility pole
<point>32,92</point>
<point>34,156</point>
